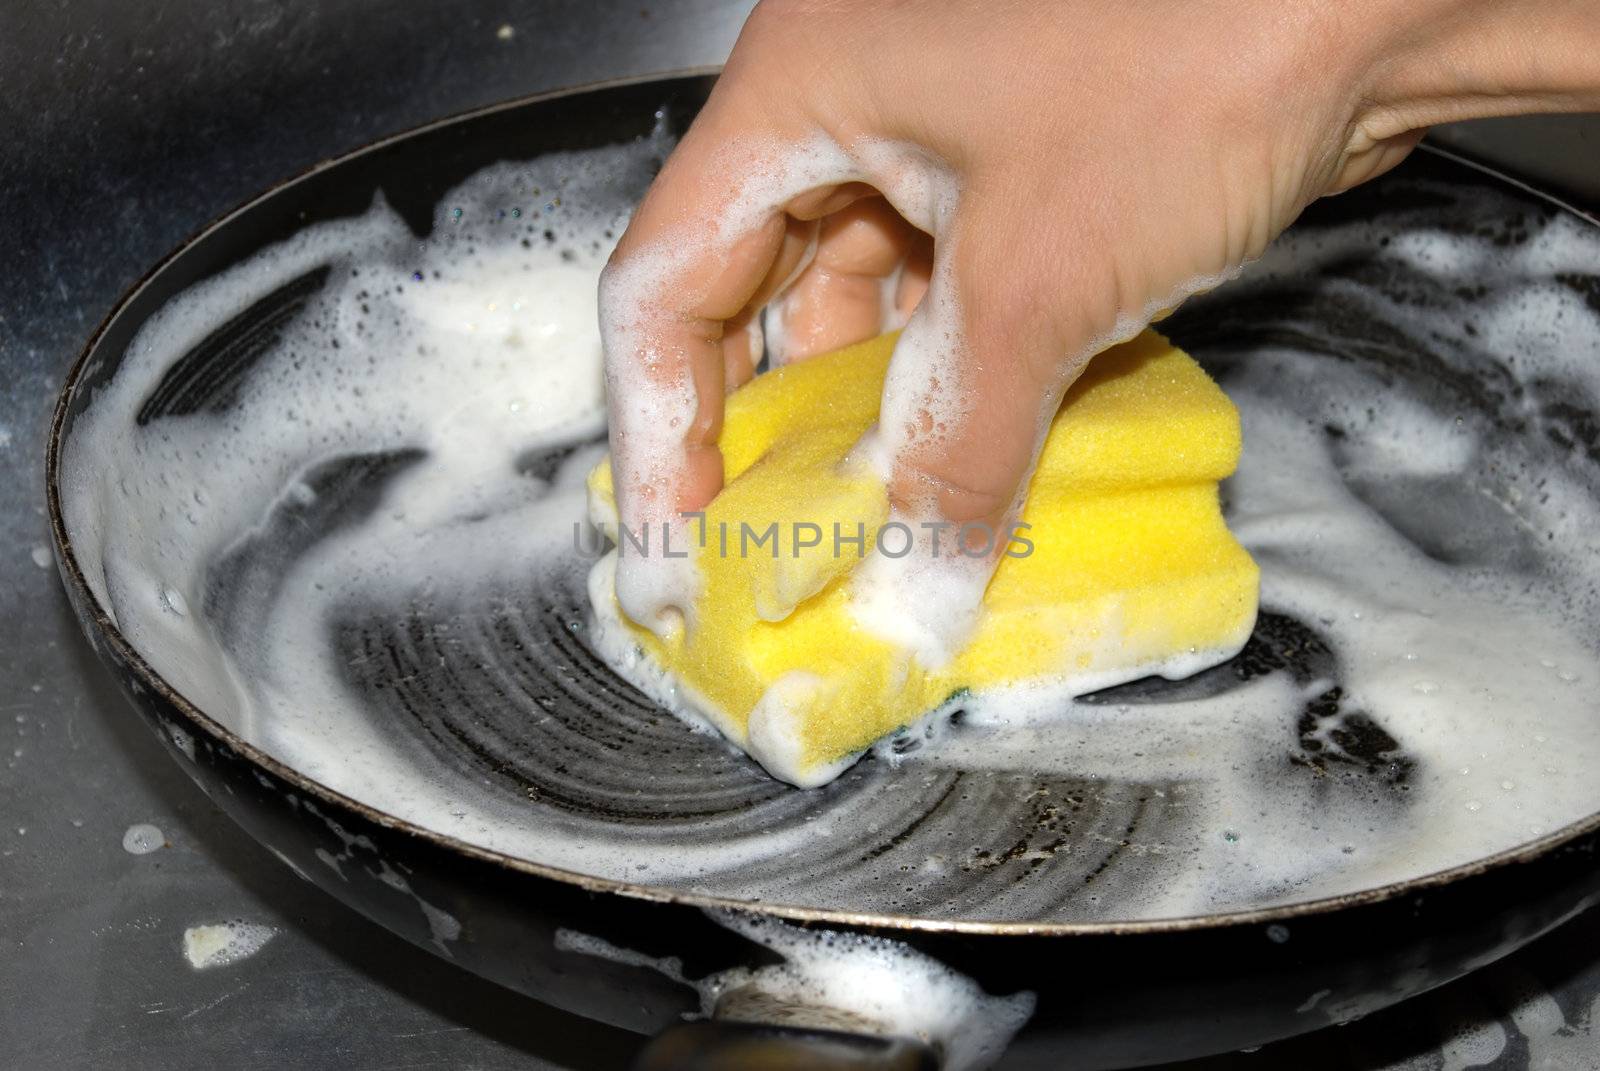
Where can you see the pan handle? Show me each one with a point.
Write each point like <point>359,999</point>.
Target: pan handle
<point>730,1045</point>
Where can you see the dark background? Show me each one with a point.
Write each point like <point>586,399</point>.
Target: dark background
<point>123,128</point>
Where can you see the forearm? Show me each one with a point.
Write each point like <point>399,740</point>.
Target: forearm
<point>1465,59</point>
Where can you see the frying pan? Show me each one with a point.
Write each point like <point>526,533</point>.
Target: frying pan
<point>1101,991</point>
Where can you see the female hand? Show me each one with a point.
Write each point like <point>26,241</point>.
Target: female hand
<point>1053,174</point>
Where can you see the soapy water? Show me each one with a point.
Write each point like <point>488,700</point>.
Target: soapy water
<point>142,838</point>
<point>329,546</point>
<point>219,944</point>
<point>859,983</point>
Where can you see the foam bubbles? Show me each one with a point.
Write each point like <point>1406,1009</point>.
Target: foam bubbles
<point>885,982</point>
<point>847,981</point>
<point>219,944</point>
<point>142,839</point>
<point>1448,566</point>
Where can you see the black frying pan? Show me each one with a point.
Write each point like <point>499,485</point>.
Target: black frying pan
<point>1108,993</point>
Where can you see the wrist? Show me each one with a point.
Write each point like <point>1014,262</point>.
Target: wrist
<point>1437,61</point>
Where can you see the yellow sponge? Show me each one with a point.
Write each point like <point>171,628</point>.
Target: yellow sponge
<point>1131,571</point>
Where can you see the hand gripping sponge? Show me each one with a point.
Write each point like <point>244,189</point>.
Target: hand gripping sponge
<point>1125,570</point>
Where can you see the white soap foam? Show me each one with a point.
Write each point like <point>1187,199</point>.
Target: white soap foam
<point>775,733</point>
<point>874,983</point>
<point>142,838</point>
<point>219,944</point>
<point>1483,673</point>
<point>881,980</point>
<point>653,400</point>
<point>922,602</point>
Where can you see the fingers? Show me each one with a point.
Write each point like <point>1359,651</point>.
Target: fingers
<point>973,381</point>
<point>710,237</point>
<point>848,292</point>
<point>742,346</point>
<point>662,327</point>
<point>914,276</point>
<point>980,369</point>
<point>743,341</point>
<point>691,259</point>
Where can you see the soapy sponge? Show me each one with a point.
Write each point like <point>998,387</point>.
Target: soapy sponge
<point>1131,569</point>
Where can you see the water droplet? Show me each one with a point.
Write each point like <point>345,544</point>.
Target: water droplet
<point>1425,687</point>
<point>142,839</point>
<point>1474,806</point>
<point>174,601</point>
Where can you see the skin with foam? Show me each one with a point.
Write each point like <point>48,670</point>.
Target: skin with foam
<point>1126,569</point>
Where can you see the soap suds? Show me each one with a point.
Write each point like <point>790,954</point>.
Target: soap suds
<point>871,983</point>
<point>654,399</point>
<point>142,839</point>
<point>774,737</point>
<point>880,980</point>
<point>414,446</point>
<point>219,944</point>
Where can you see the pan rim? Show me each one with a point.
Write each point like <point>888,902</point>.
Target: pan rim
<point>219,734</point>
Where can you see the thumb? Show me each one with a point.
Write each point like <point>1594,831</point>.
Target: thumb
<point>982,366</point>
<point>971,388</point>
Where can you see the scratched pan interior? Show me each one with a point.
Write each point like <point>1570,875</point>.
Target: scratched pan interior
<point>505,697</point>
